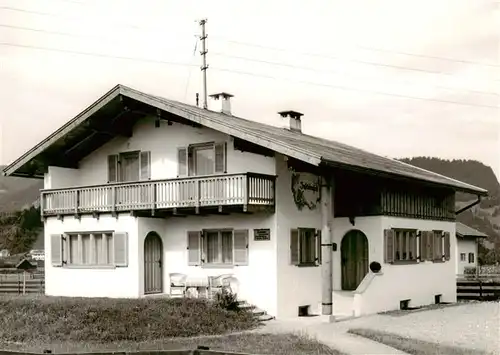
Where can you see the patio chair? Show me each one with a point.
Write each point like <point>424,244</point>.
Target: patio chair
<point>177,284</point>
<point>217,283</point>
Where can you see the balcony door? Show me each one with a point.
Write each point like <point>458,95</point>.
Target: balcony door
<point>129,167</point>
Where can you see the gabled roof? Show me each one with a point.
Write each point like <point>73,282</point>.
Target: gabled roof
<point>466,231</point>
<point>313,150</point>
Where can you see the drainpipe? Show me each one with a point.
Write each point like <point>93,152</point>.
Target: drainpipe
<point>469,206</point>
<point>327,208</point>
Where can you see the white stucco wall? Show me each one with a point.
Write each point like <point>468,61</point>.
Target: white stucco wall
<point>163,142</point>
<point>57,177</point>
<point>466,245</point>
<point>257,280</point>
<point>416,282</point>
<point>78,282</point>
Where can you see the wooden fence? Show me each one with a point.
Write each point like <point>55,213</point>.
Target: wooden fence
<point>15,284</point>
<point>483,288</point>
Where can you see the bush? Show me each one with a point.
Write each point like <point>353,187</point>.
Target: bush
<point>46,319</point>
<point>225,299</point>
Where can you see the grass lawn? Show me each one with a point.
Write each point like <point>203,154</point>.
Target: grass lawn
<point>36,323</point>
<point>413,346</point>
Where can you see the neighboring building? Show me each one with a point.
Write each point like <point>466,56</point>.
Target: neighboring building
<point>4,253</point>
<point>138,187</point>
<point>467,246</point>
<point>37,254</point>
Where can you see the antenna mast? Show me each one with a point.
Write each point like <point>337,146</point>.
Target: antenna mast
<point>204,65</point>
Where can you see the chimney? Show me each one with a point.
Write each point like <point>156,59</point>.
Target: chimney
<point>222,102</point>
<point>294,123</point>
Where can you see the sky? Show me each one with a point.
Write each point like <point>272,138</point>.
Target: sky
<point>397,78</point>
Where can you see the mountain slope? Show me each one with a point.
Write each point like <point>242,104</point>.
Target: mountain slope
<point>18,193</point>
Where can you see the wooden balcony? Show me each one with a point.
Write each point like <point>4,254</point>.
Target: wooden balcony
<point>226,193</point>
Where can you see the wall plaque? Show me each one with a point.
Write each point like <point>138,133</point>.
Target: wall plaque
<point>262,234</point>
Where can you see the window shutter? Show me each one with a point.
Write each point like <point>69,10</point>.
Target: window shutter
<point>220,157</point>
<point>182,161</point>
<point>447,246</point>
<point>318,247</point>
<point>56,249</point>
<point>240,247</point>
<point>113,168</point>
<point>389,245</point>
<point>194,248</point>
<point>435,240</point>
<point>294,247</point>
<point>145,165</point>
<point>423,245</point>
<point>120,249</point>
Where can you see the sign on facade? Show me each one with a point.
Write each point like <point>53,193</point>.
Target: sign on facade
<point>262,234</point>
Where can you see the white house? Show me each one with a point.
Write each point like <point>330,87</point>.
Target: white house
<point>467,246</point>
<point>138,187</point>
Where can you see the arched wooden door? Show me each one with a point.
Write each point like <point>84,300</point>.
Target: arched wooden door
<point>153,263</point>
<point>354,258</point>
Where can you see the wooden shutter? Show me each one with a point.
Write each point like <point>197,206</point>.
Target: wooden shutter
<point>318,247</point>
<point>194,248</point>
<point>240,247</point>
<point>120,249</point>
<point>182,161</point>
<point>447,246</point>
<point>389,235</point>
<point>220,157</point>
<point>145,166</point>
<point>423,245</point>
<point>294,247</point>
<point>113,168</point>
<point>56,249</point>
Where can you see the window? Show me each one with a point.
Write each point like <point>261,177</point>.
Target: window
<point>129,166</point>
<point>438,246</point>
<point>89,249</point>
<point>202,159</point>
<point>305,247</point>
<point>471,258</point>
<point>406,245</point>
<point>463,257</point>
<point>224,247</point>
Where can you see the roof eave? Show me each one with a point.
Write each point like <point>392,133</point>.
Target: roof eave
<point>12,169</point>
<point>474,191</point>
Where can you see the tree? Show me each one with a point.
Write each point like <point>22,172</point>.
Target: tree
<point>19,230</point>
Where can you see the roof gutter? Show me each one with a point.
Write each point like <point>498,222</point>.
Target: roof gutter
<point>469,206</point>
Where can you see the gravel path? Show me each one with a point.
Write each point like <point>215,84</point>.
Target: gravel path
<point>469,325</point>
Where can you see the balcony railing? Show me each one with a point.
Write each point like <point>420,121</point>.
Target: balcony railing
<point>193,192</point>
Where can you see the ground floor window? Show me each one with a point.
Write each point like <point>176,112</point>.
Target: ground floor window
<point>412,246</point>
<point>305,247</point>
<point>94,249</point>
<point>218,247</point>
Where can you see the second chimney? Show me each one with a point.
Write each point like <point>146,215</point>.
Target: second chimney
<point>294,123</point>
<point>222,102</point>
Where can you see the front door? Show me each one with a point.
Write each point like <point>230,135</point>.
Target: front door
<point>354,258</point>
<point>153,276</point>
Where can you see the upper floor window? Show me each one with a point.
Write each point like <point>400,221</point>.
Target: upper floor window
<point>129,166</point>
<point>462,257</point>
<point>202,159</point>
<point>471,258</point>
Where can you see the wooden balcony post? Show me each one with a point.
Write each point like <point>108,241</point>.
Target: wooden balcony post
<point>197,195</point>
<point>113,199</point>
<point>42,208</point>
<point>246,189</point>
<point>153,198</point>
<point>77,200</point>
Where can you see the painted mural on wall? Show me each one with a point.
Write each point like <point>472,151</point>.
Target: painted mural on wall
<point>305,190</point>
